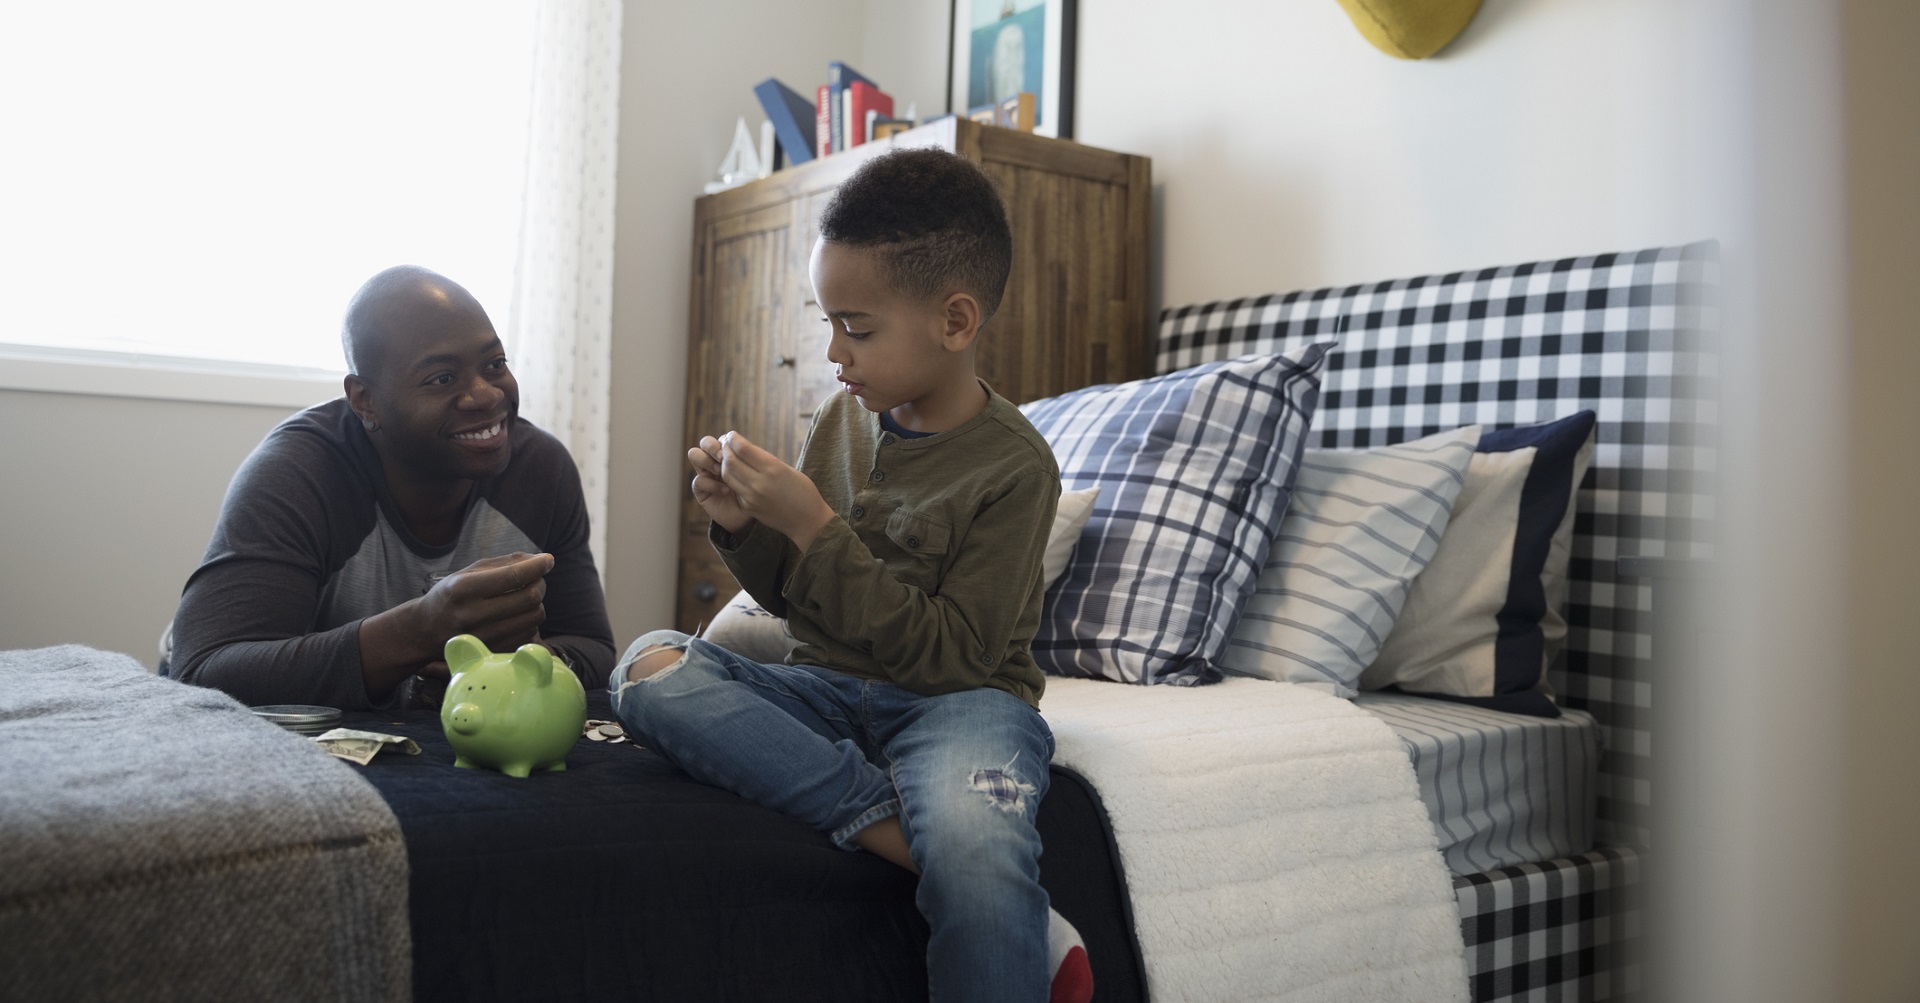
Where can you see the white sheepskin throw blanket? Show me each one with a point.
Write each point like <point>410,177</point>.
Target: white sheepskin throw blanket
<point>1273,838</point>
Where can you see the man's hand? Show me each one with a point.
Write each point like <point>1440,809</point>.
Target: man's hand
<point>722,506</point>
<point>500,600</point>
<point>769,490</point>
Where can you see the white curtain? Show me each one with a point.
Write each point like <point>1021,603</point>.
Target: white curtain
<point>560,325</point>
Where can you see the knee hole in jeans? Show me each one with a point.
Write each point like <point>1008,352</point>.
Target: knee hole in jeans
<point>1003,788</point>
<point>653,662</point>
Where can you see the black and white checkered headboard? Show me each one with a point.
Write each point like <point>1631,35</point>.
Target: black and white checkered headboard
<point>1622,334</point>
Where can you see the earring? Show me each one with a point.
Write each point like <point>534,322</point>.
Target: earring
<point>370,424</point>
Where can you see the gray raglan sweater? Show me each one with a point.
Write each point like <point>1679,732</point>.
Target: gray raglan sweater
<point>309,543</point>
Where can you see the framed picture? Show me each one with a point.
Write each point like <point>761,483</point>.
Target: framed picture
<point>1001,48</point>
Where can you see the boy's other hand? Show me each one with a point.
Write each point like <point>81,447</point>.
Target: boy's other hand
<point>773,492</point>
<point>713,494</point>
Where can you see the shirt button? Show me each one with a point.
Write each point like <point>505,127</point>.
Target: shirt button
<point>913,542</point>
<point>877,476</point>
<point>986,659</point>
<point>859,511</point>
<point>887,440</point>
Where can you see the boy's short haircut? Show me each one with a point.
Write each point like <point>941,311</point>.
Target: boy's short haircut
<point>936,220</point>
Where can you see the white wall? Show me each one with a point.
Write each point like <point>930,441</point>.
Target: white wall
<point>1292,154</point>
<point>1289,153</point>
<point>687,74</point>
<point>106,504</point>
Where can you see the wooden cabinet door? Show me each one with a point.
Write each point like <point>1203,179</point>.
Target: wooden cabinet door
<point>740,372</point>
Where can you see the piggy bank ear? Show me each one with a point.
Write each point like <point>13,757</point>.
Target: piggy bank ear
<point>464,652</point>
<point>534,664</point>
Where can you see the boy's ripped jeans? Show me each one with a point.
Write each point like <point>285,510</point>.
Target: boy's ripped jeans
<point>965,773</point>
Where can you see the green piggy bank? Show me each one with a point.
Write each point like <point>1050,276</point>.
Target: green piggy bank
<point>513,713</point>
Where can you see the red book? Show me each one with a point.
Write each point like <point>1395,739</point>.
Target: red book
<point>863,97</point>
<point>823,120</point>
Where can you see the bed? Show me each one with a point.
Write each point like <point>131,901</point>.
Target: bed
<point>1628,336</point>
<point>1508,827</point>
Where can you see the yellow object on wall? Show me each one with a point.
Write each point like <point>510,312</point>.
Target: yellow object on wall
<point>1410,29</point>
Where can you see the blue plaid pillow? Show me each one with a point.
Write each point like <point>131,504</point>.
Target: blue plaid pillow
<point>1194,470</point>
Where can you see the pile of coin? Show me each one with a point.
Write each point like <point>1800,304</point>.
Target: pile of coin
<point>303,719</point>
<point>609,732</point>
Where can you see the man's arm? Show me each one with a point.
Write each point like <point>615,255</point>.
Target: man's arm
<point>545,502</point>
<point>246,620</point>
<point>577,628</point>
<point>242,627</point>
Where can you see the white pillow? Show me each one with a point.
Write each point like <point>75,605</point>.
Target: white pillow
<point>1484,621</point>
<point>1076,505</point>
<point>749,631</point>
<point>1361,526</point>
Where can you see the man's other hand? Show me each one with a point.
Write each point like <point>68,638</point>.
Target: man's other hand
<point>500,600</point>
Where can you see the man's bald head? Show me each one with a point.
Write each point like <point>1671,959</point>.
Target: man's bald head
<point>402,303</point>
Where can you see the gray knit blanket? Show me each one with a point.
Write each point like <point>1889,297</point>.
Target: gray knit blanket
<point>160,842</point>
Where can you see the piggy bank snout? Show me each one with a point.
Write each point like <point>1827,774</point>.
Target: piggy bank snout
<point>466,718</point>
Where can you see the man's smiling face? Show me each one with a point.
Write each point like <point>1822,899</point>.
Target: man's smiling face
<point>441,390</point>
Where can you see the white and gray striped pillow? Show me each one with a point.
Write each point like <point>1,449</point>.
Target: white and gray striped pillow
<point>1360,526</point>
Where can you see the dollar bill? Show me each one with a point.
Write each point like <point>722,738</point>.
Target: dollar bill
<point>362,746</point>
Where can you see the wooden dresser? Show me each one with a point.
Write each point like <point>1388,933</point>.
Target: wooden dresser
<point>1075,311</point>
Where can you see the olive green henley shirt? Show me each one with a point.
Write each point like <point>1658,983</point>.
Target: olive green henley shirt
<point>930,577</point>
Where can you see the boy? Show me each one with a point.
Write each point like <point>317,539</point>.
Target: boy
<point>904,553</point>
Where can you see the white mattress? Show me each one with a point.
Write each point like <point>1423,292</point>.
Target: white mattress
<point>1502,789</point>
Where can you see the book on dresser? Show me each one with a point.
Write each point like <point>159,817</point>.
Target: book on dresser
<point>792,118</point>
<point>823,119</point>
<point>1075,311</point>
<point>840,77</point>
<point>864,103</point>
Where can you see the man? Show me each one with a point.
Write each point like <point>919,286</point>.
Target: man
<point>366,531</point>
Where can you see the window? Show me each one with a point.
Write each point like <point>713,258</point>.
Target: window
<point>211,180</point>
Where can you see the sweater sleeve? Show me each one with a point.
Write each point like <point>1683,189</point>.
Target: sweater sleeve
<point>950,639</point>
<point>245,621</point>
<point>759,561</point>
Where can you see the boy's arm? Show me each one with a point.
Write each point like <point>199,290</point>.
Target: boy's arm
<point>758,558</point>
<point>778,511</point>
<point>952,639</point>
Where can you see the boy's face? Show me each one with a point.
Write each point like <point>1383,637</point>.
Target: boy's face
<point>888,347</point>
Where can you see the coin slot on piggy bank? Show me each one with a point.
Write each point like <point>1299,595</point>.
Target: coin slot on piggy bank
<point>510,712</point>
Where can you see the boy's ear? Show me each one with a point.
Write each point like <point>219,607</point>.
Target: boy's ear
<point>962,313</point>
